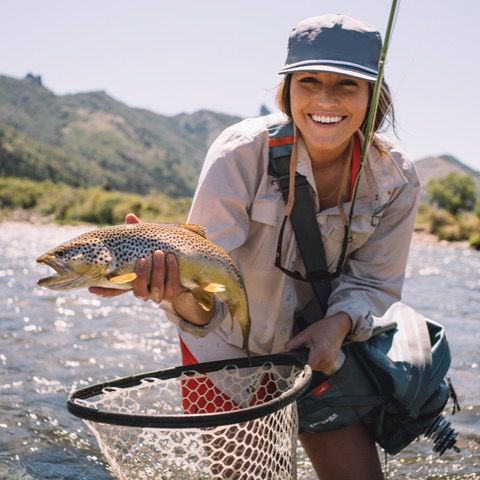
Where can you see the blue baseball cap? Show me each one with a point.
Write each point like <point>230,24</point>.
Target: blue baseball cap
<point>334,43</point>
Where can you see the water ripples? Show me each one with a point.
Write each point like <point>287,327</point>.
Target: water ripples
<point>52,343</point>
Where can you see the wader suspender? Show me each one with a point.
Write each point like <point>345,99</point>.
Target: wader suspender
<point>302,217</point>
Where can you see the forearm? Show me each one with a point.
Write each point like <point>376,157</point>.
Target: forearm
<point>374,273</point>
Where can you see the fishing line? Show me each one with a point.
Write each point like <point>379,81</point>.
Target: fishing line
<point>418,46</point>
<point>417,50</point>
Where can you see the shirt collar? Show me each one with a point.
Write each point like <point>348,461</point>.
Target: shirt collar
<point>381,172</point>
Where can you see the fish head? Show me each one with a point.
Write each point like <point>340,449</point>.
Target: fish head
<point>79,263</point>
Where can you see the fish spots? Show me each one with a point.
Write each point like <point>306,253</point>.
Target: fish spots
<point>107,257</point>
<point>125,244</point>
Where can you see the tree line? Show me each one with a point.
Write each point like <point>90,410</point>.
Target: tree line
<point>452,209</point>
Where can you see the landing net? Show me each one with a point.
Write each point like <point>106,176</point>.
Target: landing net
<point>233,419</point>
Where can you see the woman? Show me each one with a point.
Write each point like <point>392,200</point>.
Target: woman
<point>328,81</point>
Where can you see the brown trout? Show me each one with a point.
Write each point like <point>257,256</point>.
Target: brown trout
<point>106,257</point>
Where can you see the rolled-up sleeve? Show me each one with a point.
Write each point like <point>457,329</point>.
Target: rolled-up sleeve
<point>226,187</point>
<point>374,273</point>
<point>225,190</point>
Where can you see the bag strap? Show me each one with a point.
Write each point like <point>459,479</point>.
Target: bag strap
<point>413,342</point>
<point>302,217</point>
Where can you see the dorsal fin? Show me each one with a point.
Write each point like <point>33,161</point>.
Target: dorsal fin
<point>198,229</point>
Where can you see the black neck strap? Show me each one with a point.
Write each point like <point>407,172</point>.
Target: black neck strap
<point>307,232</point>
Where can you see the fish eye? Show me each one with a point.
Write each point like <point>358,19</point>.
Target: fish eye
<point>60,253</point>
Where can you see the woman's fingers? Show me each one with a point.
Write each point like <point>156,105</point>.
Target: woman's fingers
<point>157,287</point>
<point>140,284</point>
<point>322,360</point>
<point>172,287</point>
<point>300,340</point>
<point>323,339</point>
<point>162,283</point>
<point>131,218</point>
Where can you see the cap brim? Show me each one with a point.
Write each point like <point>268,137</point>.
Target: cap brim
<point>370,77</point>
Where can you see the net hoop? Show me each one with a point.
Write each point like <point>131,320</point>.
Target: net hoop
<point>82,410</point>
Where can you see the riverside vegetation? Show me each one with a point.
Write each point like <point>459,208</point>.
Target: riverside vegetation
<point>452,210</point>
<point>88,158</point>
<point>61,203</point>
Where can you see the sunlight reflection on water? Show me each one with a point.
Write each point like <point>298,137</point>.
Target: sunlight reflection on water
<point>52,343</point>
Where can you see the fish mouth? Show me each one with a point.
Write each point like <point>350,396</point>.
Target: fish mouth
<point>65,277</point>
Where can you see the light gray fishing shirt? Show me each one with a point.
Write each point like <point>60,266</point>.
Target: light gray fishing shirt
<point>242,208</point>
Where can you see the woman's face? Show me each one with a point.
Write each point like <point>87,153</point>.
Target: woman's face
<point>327,109</point>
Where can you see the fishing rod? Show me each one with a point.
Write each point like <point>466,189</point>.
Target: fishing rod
<point>374,104</point>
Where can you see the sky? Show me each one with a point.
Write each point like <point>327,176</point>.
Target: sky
<point>224,55</point>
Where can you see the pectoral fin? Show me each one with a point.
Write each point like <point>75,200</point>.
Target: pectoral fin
<point>205,299</point>
<point>125,278</point>
<point>213,287</point>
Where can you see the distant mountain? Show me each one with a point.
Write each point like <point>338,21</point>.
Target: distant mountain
<point>92,139</point>
<point>441,166</point>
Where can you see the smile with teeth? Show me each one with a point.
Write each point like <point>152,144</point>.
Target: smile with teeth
<point>328,119</point>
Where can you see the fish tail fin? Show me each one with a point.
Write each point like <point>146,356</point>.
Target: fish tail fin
<point>239,312</point>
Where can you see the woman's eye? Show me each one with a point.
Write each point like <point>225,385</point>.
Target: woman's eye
<point>308,80</point>
<point>348,83</point>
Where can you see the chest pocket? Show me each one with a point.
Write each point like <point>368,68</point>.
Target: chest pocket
<point>266,217</point>
<point>382,200</point>
<point>366,218</point>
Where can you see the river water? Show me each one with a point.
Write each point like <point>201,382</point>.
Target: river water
<point>51,343</point>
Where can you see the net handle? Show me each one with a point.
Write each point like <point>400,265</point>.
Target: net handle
<point>202,420</point>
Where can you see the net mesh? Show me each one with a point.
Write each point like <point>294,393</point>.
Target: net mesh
<point>262,448</point>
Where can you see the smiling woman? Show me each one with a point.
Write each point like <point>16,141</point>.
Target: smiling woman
<point>331,66</point>
<point>328,109</point>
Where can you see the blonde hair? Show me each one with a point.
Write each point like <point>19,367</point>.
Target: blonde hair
<point>384,117</point>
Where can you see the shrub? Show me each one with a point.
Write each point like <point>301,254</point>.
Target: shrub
<point>424,213</point>
<point>451,233</point>
<point>439,219</point>
<point>454,193</point>
<point>474,241</point>
<point>66,204</point>
<point>469,225</point>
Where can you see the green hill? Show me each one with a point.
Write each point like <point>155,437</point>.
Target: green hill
<point>91,139</point>
<point>440,166</point>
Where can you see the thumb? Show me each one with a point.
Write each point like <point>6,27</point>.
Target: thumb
<point>300,340</point>
<point>131,218</point>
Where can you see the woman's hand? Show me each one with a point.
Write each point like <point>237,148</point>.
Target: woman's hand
<point>324,340</point>
<point>163,283</point>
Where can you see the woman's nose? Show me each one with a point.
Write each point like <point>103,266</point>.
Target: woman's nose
<point>326,96</point>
